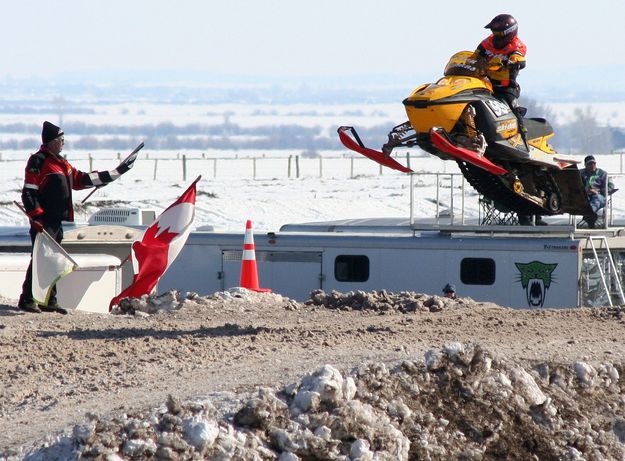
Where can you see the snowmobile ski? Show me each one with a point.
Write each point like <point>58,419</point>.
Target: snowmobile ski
<point>356,145</point>
<point>442,143</point>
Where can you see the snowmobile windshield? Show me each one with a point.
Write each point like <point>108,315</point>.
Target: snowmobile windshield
<point>463,63</point>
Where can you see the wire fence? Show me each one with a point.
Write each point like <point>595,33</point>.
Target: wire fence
<point>184,167</point>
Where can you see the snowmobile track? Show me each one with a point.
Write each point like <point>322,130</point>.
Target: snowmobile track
<point>492,187</point>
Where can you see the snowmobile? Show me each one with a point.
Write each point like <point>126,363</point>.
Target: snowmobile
<point>458,118</point>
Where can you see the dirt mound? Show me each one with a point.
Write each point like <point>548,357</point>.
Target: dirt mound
<point>459,403</point>
<point>383,301</point>
<point>397,376</point>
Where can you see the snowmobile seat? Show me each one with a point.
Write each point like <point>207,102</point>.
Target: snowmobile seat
<point>537,127</point>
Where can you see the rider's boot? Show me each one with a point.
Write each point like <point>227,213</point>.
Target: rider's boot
<point>520,112</point>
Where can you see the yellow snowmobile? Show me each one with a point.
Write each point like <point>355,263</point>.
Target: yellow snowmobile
<point>458,118</point>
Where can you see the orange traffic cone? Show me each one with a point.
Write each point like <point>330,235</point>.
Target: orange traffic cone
<point>249,272</point>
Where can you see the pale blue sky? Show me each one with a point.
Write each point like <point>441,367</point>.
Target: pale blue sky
<point>292,38</point>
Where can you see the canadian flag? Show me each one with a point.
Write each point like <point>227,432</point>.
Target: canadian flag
<point>160,245</point>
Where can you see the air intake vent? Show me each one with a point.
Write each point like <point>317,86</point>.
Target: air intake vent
<point>123,216</point>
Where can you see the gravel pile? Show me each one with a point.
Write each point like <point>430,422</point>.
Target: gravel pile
<point>457,403</point>
<point>384,301</point>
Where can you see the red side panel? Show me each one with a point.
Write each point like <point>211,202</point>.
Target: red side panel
<point>374,155</point>
<point>442,143</point>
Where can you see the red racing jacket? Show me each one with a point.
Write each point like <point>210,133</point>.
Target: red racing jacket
<point>511,57</point>
<point>48,184</point>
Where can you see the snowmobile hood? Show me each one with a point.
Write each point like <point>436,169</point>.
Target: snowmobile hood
<point>446,87</point>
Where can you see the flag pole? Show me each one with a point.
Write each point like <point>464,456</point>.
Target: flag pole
<point>57,244</point>
<point>137,149</point>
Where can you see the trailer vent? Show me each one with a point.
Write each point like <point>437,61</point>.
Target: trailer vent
<point>276,256</point>
<point>123,216</point>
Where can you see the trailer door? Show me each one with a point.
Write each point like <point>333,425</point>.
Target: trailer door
<point>290,273</point>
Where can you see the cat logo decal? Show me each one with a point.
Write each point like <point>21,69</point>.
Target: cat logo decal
<point>535,278</point>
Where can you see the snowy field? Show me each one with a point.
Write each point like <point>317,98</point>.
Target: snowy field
<point>330,188</point>
<point>264,185</point>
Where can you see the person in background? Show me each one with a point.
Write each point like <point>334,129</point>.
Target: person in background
<point>47,199</point>
<point>449,291</point>
<point>529,220</point>
<point>504,54</point>
<point>594,180</point>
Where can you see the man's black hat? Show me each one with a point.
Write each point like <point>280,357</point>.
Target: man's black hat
<point>589,159</point>
<point>50,132</point>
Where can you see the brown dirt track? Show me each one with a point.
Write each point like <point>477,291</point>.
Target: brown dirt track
<point>55,369</point>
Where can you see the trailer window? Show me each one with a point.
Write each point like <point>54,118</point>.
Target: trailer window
<point>477,271</point>
<point>351,268</point>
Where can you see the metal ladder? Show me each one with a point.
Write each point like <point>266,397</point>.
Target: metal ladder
<point>590,239</point>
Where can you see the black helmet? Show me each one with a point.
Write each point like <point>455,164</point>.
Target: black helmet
<point>504,28</point>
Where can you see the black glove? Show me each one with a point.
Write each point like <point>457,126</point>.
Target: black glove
<point>127,163</point>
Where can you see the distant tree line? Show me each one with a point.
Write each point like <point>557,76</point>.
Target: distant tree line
<point>167,136</point>
<point>581,134</point>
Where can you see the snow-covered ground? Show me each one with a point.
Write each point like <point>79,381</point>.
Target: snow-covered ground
<point>334,187</point>
<point>263,185</point>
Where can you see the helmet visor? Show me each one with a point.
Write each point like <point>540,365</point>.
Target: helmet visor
<point>500,32</point>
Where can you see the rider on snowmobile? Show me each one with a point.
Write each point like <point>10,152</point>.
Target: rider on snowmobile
<point>504,53</point>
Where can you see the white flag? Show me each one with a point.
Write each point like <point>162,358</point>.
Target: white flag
<point>50,263</point>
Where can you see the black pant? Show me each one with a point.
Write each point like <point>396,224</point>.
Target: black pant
<point>56,232</point>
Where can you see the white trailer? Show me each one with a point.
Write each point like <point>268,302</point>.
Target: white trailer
<point>510,271</point>
<point>513,266</point>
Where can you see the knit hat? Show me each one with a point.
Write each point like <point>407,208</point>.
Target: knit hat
<point>50,132</point>
<point>589,159</point>
<point>449,288</point>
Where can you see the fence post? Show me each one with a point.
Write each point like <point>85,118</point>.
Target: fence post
<point>119,156</point>
<point>380,169</point>
<point>297,166</point>
<point>288,169</point>
<point>90,162</point>
<point>254,167</point>
<point>351,167</point>
<point>215,168</point>
<point>184,167</point>
<point>155,167</point>
<point>408,159</point>
<point>320,167</point>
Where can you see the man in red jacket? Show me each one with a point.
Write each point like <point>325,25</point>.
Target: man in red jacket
<point>47,198</point>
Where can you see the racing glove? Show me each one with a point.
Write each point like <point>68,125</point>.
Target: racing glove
<point>126,164</point>
<point>100,178</point>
